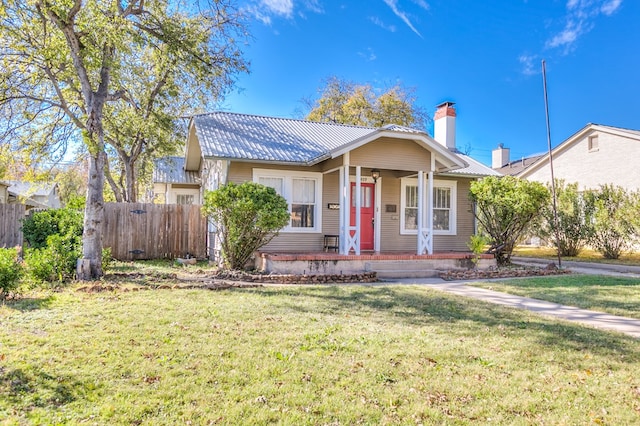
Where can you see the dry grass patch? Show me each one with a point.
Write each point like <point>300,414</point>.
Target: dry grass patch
<point>586,255</point>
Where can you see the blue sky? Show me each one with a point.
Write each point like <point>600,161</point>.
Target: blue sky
<point>483,55</point>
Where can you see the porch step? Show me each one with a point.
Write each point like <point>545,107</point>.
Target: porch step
<point>402,269</point>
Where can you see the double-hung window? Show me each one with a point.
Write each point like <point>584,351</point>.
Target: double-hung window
<point>302,190</point>
<point>444,206</point>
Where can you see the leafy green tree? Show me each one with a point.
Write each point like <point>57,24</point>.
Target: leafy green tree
<point>574,220</point>
<point>247,216</point>
<point>65,62</point>
<point>615,219</point>
<point>345,102</point>
<point>505,207</point>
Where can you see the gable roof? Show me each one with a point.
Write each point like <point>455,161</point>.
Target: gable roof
<point>514,168</point>
<point>31,189</point>
<point>473,169</point>
<point>171,170</point>
<point>259,138</point>
<point>543,159</point>
<point>245,137</point>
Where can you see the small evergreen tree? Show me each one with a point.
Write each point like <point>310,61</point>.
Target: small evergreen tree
<point>505,207</point>
<point>247,216</point>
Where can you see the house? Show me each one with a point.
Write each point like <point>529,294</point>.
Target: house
<point>593,156</point>
<point>349,188</point>
<point>31,194</point>
<point>4,193</point>
<point>172,184</point>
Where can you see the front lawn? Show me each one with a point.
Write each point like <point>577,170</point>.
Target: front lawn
<point>305,355</point>
<point>613,295</point>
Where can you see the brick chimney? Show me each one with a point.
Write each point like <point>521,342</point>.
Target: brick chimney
<point>500,157</point>
<point>444,126</point>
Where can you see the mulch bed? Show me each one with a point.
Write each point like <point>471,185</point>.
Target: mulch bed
<point>240,279</point>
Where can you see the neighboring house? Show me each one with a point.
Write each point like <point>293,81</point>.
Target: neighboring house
<point>32,194</point>
<point>593,156</point>
<point>392,189</point>
<point>4,193</point>
<point>172,184</point>
<point>501,162</point>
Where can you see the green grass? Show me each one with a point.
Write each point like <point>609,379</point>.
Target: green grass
<point>305,355</point>
<point>614,295</point>
<point>586,255</point>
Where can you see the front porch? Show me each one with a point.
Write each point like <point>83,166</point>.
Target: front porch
<point>386,265</point>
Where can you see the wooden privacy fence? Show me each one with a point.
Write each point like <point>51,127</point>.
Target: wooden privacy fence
<point>154,231</point>
<point>11,216</point>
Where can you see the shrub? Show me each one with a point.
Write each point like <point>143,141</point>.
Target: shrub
<point>38,266</point>
<point>615,220</point>
<point>247,217</point>
<point>505,208</point>
<point>575,227</point>
<point>107,259</point>
<point>10,271</point>
<point>38,226</point>
<point>477,244</point>
<point>55,240</point>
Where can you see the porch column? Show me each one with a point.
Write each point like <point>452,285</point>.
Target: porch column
<point>421,216</point>
<point>345,210</point>
<point>358,191</point>
<point>425,221</point>
<point>342,191</point>
<point>430,214</point>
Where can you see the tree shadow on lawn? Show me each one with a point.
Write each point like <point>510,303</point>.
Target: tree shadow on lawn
<point>28,304</point>
<point>25,389</point>
<point>427,307</point>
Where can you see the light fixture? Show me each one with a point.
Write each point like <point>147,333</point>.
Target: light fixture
<point>375,174</point>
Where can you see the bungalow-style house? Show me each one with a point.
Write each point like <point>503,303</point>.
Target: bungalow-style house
<point>350,189</point>
<point>593,156</point>
<point>31,194</point>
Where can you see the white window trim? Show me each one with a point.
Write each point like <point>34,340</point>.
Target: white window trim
<point>288,177</point>
<point>174,192</point>
<point>452,185</point>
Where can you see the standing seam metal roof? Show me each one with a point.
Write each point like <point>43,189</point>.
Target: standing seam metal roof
<point>251,137</point>
<point>171,170</point>
<point>272,139</point>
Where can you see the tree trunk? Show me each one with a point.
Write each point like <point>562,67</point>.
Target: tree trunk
<point>130,180</point>
<point>93,220</point>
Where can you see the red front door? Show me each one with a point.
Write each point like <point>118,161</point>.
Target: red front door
<point>367,209</point>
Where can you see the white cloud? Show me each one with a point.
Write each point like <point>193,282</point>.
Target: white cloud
<point>377,21</point>
<point>279,7</point>
<point>572,3</point>
<point>423,4</point>
<point>266,10</point>
<point>579,20</point>
<point>527,62</point>
<point>369,55</point>
<point>393,4</point>
<point>566,37</point>
<point>609,7</point>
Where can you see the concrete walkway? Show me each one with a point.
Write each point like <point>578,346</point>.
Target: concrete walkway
<point>629,326</point>
<point>590,268</point>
